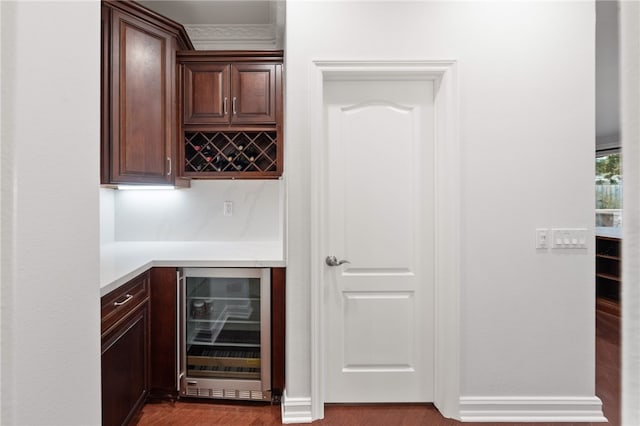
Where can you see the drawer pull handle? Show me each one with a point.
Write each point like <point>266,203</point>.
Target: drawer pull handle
<point>129,297</point>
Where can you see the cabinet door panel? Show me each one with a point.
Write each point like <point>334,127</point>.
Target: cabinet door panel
<point>105,96</point>
<point>206,93</point>
<point>253,89</point>
<point>164,338</point>
<point>278,296</point>
<point>142,64</point>
<point>125,378</point>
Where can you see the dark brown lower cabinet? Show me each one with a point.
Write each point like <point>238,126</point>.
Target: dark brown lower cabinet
<point>125,377</point>
<point>277,331</point>
<point>125,351</point>
<point>164,335</point>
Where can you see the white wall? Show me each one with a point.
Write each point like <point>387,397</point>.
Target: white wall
<point>526,84</point>
<point>50,231</point>
<point>630,114</point>
<point>607,75</point>
<point>196,213</point>
<point>1,222</point>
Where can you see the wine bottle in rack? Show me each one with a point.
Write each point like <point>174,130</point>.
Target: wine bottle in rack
<point>194,158</point>
<point>240,163</point>
<point>196,163</point>
<point>238,160</point>
<point>219,163</point>
<point>208,156</point>
<point>250,156</point>
<point>232,158</point>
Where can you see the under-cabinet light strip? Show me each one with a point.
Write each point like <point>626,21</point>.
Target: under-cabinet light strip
<point>145,187</point>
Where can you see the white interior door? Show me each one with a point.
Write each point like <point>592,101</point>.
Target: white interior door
<point>379,215</point>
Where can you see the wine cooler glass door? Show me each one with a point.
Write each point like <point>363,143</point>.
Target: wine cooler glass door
<point>223,334</point>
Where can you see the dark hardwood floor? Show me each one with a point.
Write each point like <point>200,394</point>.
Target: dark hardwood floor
<point>608,365</point>
<point>236,414</point>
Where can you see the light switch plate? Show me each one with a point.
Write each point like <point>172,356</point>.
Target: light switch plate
<point>228,208</point>
<point>569,238</point>
<point>542,238</point>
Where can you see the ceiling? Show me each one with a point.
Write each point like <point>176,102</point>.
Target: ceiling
<point>223,12</point>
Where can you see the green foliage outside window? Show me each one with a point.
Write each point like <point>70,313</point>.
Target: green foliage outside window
<point>608,169</point>
<point>609,190</point>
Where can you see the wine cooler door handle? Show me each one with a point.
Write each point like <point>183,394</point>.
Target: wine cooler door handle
<point>179,310</point>
<point>333,261</point>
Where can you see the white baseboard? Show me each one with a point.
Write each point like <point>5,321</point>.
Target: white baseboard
<point>531,409</point>
<point>295,410</point>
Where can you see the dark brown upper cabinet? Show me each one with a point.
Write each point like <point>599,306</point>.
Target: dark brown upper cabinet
<point>229,94</point>
<point>253,93</point>
<point>206,94</point>
<point>231,114</point>
<point>139,106</point>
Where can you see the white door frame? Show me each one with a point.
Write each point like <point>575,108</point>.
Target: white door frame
<point>447,216</point>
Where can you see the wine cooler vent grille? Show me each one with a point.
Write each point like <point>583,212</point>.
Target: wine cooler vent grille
<point>226,393</point>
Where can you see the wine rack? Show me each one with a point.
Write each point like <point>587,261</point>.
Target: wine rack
<point>230,154</point>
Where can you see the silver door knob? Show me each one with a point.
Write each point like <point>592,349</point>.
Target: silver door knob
<point>332,261</point>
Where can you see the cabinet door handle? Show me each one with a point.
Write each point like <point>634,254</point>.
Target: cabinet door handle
<point>127,298</point>
<point>169,160</point>
<point>224,105</point>
<point>234,106</point>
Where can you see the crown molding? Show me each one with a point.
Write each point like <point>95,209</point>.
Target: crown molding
<point>212,37</point>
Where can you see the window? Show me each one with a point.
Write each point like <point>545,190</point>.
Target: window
<point>609,189</point>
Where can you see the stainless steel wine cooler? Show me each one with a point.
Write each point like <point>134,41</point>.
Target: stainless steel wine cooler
<point>225,334</point>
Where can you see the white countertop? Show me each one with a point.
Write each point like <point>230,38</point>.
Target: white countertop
<point>122,261</point>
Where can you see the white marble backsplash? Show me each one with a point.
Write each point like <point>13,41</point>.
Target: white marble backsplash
<point>196,213</point>
<point>107,216</point>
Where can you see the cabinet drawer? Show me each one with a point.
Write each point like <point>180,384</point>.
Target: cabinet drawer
<point>117,304</point>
